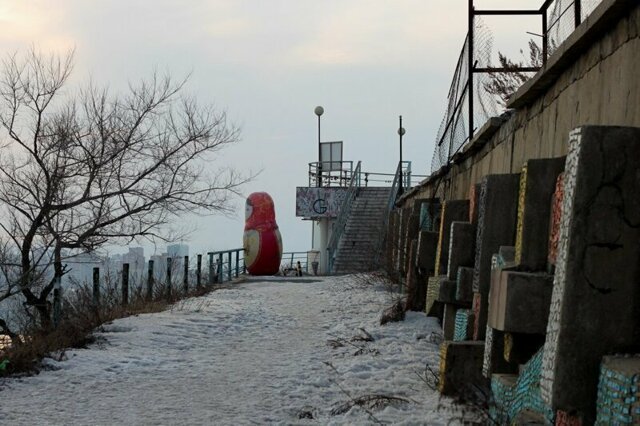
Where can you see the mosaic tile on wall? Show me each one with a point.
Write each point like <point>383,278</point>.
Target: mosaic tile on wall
<point>619,391</point>
<point>556,214</point>
<point>595,284</point>
<point>521,207</point>
<point>523,395</point>
<point>555,313</point>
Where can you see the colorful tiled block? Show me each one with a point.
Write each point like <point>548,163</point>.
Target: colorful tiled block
<point>619,391</point>
<point>596,277</point>
<point>556,214</point>
<point>464,325</point>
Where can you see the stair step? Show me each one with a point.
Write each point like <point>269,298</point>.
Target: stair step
<point>362,231</point>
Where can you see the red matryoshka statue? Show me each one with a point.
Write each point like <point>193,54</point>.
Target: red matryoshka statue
<point>262,241</point>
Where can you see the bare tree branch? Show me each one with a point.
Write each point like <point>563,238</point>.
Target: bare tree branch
<point>505,83</point>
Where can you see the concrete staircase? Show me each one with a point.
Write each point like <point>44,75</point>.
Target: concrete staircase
<point>357,248</point>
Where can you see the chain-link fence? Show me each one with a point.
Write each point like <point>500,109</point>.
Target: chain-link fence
<point>560,18</point>
<point>454,129</point>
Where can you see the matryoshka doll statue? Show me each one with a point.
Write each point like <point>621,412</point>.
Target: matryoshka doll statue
<point>262,241</point>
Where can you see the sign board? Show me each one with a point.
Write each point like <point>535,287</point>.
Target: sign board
<point>331,156</point>
<point>319,202</point>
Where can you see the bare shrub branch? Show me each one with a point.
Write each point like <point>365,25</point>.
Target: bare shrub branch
<point>505,84</point>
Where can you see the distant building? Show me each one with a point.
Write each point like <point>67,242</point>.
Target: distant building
<point>177,253</point>
<point>159,265</point>
<point>80,268</point>
<point>178,250</point>
<point>135,259</point>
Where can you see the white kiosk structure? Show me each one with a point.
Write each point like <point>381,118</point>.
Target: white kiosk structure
<point>348,218</point>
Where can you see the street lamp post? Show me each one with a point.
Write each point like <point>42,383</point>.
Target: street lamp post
<point>319,111</point>
<point>401,133</point>
<point>323,222</point>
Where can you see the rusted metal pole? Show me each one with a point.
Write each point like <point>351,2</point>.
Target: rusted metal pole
<point>185,277</point>
<point>96,287</point>
<point>125,284</point>
<point>211,272</point>
<point>199,271</point>
<point>150,280</point>
<point>169,261</point>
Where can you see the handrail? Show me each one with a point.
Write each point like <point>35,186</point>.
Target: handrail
<point>226,251</point>
<point>400,180</point>
<point>341,177</point>
<point>343,215</point>
<point>387,178</point>
<point>217,264</point>
<point>406,184</point>
<point>395,188</point>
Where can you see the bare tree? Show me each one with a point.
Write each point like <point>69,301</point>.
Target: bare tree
<point>79,171</point>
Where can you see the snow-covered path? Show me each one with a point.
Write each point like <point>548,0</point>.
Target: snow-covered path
<point>256,353</point>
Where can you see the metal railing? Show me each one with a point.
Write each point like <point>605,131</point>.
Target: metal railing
<point>290,261</point>
<point>217,265</point>
<point>341,220</point>
<point>398,186</point>
<point>330,173</point>
<point>342,177</point>
<point>385,179</point>
<point>405,175</point>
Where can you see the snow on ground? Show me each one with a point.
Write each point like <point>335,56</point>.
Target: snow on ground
<point>262,352</point>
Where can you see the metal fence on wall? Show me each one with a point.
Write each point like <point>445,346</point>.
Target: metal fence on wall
<point>469,103</point>
<point>455,127</point>
<point>563,16</point>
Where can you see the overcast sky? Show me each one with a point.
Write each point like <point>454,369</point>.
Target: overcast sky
<point>268,63</point>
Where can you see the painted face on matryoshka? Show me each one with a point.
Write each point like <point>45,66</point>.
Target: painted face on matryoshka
<point>259,212</point>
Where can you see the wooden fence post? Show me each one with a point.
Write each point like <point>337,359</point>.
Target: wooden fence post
<point>125,284</point>
<point>237,263</point>
<point>211,273</point>
<point>244,265</point>
<point>169,278</point>
<point>199,271</point>
<point>230,271</point>
<point>185,278</point>
<point>220,274</point>
<point>96,287</point>
<point>150,281</point>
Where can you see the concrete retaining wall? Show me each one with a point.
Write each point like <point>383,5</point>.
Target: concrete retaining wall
<point>556,265</point>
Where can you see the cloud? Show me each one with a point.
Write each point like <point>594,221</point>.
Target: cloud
<point>230,28</point>
<point>377,33</point>
<point>33,22</point>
